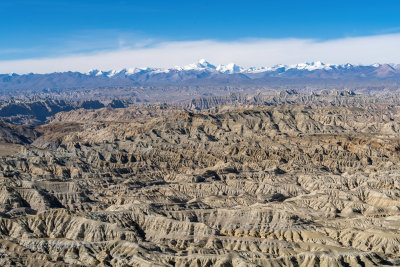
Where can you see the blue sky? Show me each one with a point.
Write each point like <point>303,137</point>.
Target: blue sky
<point>38,29</point>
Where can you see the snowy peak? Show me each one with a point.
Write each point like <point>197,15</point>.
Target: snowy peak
<point>318,65</point>
<point>98,73</point>
<point>202,64</point>
<point>230,68</point>
<point>205,64</point>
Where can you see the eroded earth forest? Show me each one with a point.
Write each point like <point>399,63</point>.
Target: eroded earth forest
<point>265,179</point>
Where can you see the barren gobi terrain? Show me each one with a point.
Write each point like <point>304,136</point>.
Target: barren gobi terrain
<point>297,183</point>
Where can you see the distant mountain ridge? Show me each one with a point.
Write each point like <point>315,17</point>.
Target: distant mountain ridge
<point>231,68</point>
<point>201,72</point>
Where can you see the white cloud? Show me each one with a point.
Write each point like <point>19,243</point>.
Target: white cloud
<point>248,52</point>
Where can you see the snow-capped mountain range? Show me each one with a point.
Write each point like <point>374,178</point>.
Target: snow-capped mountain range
<point>205,73</point>
<point>231,68</point>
